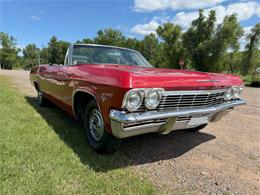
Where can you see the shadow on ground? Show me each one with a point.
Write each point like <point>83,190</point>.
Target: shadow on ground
<point>136,150</point>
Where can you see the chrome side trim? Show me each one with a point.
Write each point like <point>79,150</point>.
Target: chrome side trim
<point>85,91</point>
<point>123,117</point>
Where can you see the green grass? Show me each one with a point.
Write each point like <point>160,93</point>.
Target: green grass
<point>43,151</point>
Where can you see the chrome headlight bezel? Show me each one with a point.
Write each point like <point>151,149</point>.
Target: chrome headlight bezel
<point>133,93</point>
<point>228,94</point>
<point>233,93</point>
<point>157,93</point>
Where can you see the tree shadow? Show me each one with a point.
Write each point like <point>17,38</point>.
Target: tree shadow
<point>133,151</point>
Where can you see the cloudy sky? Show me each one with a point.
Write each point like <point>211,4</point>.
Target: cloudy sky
<point>35,21</point>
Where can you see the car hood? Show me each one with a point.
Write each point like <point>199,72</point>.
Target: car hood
<point>139,77</point>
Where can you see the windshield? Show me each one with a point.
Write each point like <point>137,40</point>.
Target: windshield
<point>86,54</point>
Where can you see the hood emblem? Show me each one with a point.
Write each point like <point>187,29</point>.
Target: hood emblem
<point>207,80</point>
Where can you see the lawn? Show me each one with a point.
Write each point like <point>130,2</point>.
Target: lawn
<point>43,151</point>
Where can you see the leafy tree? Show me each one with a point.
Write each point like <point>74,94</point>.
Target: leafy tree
<point>232,61</point>
<point>44,55</point>
<point>132,43</point>
<point>172,45</point>
<point>251,47</point>
<point>197,41</point>
<point>226,39</point>
<point>149,48</point>
<point>8,52</point>
<point>86,41</point>
<point>207,44</point>
<point>53,49</point>
<point>31,56</point>
<point>57,50</point>
<point>110,37</point>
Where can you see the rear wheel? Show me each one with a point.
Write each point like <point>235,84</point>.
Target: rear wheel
<point>195,129</point>
<point>97,136</point>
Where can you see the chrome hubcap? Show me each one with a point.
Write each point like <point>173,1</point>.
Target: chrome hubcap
<point>96,125</point>
<point>39,97</point>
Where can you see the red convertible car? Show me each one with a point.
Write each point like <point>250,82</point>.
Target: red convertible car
<point>118,94</point>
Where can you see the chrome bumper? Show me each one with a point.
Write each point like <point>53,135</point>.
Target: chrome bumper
<point>119,118</point>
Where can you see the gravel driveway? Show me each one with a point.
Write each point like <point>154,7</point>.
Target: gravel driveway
<point>224,158</point>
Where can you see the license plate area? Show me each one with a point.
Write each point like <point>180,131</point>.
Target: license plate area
<point>198,121</point>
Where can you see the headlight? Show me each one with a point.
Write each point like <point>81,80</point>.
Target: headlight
<point>233,93</point>
<point>134,99</point>
<point>228,95</point>
<point>236,92</point>
<point>153,98</point>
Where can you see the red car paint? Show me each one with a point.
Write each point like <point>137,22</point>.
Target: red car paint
<point>108,83</point>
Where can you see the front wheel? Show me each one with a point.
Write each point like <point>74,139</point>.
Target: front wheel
<point>41,100</point>
<point>97,136</point>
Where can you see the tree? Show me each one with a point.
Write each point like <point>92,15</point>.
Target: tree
<point>8,52</point>
<point>132,43</point>
<point>172,45</point>
<point>110,37</point>
<point>207,44</point>
<point>53,50</point>
<point>31,56</point>
<point>149,47</point>
<point>197,41</point>
<point>251,47</point>
<point>44,55</point>
<point>226,40</point>
<point>57,50</point>
<point>86,41</point>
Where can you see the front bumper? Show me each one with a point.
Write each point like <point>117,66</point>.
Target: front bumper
<point>129,124</point>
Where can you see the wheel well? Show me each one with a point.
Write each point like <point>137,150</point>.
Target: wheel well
<point>80,100</point>
<point>36,86</point>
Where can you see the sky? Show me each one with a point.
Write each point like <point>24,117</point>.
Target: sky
<point>36,21</point>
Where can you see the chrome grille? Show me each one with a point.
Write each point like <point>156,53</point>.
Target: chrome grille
<point>188,99</point>
<point>191,101</point>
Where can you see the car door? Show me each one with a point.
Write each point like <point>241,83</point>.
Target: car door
<point>53,81</point>
<point>69,82</point>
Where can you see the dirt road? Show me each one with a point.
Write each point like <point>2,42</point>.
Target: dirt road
<point>224,158</point>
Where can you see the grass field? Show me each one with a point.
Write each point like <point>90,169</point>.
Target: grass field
<point>43,151</point>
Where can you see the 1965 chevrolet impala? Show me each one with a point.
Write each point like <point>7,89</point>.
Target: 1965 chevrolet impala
<point>118,94</point>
